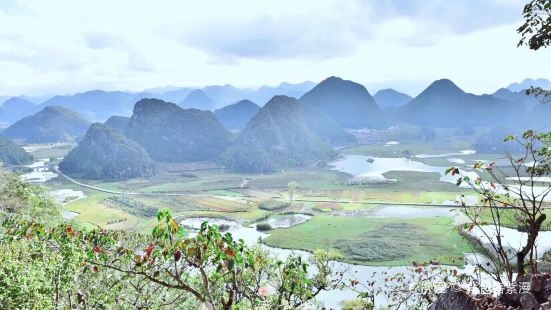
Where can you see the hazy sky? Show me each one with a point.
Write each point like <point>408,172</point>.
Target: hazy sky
<point>64,46</point>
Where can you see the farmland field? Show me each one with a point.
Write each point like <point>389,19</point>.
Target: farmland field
<point>341,211</point>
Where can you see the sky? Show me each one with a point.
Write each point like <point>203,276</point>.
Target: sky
<point>68,46</point>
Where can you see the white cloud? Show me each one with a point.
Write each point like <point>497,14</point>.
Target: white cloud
<point>62,46</point>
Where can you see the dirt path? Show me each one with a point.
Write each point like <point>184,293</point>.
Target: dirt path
<point>99,189</point>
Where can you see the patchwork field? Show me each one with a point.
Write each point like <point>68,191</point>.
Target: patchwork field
<point>339,209</point>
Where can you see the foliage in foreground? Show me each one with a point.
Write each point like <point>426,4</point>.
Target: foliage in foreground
<point>26,199</point>
<point>62,267</point>
<point>513,190</point>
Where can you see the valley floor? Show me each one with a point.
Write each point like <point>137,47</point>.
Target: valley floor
<point>372,224</point>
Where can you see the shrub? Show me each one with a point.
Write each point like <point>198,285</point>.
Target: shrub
<point>62,267</point>
<point>263,227</point>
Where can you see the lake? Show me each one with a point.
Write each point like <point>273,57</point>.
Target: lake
<point>333,299</point>
<point>40,172</point>
<point>362,168</point>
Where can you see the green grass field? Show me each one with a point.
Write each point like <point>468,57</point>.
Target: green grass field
<point>93,213</point>
<point>377,241</point>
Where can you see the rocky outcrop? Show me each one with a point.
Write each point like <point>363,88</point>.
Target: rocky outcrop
<point>172,134</point>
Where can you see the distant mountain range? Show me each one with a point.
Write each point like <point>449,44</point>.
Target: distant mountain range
<point>285,133</point>
<point>444,104</point>
<point>98,105</point>
<point>236,116</point>
<point>491,142</point>
<point>346,102</point>
<point>265,93</point>
<point>52,124</point>
<point>198,99</point>
<point>105,153</point>
<point>173,94</point>
<point>390,98</point>
<point>228,94</point>
<point>12,154</point>
<point>224,95</point>
<point>527,83</point>
<point>520,97</point>
<point>172,134</point>
<point>15,109</point>
<point>277,137</point>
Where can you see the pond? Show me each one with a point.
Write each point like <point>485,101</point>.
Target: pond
<point>40,172</point>
<point>463,152</point>
<point>512,239</point>
<point>455,160</point>
<point>249,234</point>
<point>286,220</point>
<point>69,215</point>
<point>411,212</point>
<point>537,179</point>
<point>365,169</point>
<point>67,195</point>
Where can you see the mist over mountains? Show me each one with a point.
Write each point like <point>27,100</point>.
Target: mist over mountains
<point>15,108</point>
<point>224,95</point>
<point>99,105</point>
<point>444,104</point>
<point>390,98</point>
<point>51,125</point>
<point>527,83</point>
<point>198,99</point>
<point>346,102</point>
<point>244,136</point>
<point>236,116</point>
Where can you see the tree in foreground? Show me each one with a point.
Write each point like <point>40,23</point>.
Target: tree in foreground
<point>514,195</point>
<point>60,266</point>
<point>221,272</point>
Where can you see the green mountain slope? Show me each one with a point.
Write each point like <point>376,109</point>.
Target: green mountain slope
<point>105,153</point>
<point>278,137</point>
<point>50,125</point>
<point>172,134</point>
<point>347,103</point>
<point>12,154</point>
